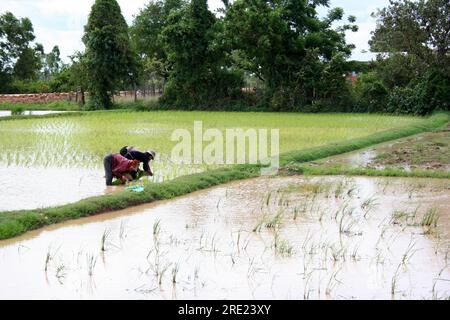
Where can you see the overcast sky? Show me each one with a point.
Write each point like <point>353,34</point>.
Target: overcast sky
<point>61,22</point>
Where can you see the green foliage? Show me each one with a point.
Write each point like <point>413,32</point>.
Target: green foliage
<point>414,58</point>
<point>199,75</point>
<point>27,86</point>
<point>370,93</point>
<point>110,62</point>
<point>17,110</point>
<point>299,56</point>
<point>16,56</point>
<point>146,36</point>
<point>52,63</point>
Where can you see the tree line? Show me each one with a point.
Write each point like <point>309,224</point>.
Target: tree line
<point>288,56</point>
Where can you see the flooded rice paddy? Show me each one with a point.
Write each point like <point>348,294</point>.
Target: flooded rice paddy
<point>426,151</point>
<point>266,238</point>
<point>52,161</point>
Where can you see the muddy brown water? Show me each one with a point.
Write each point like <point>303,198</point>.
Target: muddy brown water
<point>35,187</point>
<point>367,158</point>
<point>265,238</point>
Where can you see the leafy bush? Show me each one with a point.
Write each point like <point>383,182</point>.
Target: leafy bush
<point>20,86</point>
<point>431,93</point>
<point>17,110</point>
<point>402,100</point>
<point>370,94</point>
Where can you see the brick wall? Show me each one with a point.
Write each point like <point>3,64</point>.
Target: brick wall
<point>37,97</point>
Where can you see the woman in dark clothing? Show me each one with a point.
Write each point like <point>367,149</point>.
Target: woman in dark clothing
<point>145,157</point>
<point>119,167</point>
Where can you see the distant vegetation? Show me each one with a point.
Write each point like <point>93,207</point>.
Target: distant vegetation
<point>286,56</point>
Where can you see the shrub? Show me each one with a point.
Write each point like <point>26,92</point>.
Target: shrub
<point>370,93</point>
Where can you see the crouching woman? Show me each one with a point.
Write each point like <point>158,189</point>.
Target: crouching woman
<point>119,167</point>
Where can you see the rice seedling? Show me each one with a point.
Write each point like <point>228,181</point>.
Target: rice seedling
<point>410,251</point>
<point>333,282</point>
<point>354,253</point>
<point>431,218</point>
<point>49,257</point>
<point>435,281</point>
<point>259,224</point>
<point>160,273</point>
<point>60,273</point>
<point>337,253</point>
<point>394,281</point>
<point>282,246</point>
<point>368,205</point>
<point>91,262</point>
<point>339,190</point>
<point>104,239</point>
<point>276,221</point>
<point>347,224</point>
<point>156,228</point>
<point>122,230</point>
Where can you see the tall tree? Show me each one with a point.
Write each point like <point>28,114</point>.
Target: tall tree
<point>110,61</point>
<point>146,37</point>
<point>52,63</point>
<point>15,38</point>
<point>28,64</point>
<point>199,75</point>
<point>288,46</point>
<point>412,40</point>
<point>417,28</point>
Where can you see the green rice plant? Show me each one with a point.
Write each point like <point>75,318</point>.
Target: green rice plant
<point>333,282</point>
<point>354,253</point>
<point>431,218</point>
<point>49,257</point>
<point>410,251</point>
<point>296,212</point>
<point>60,273</point>
<point>267,201</point>
<point>339,190</point>
<point>91,262</point>
<point>276,221</point>
<point>175,270</point>
<point>337,253</point>
<point>122,229</point>
<point>436,279</point>
<point>259,224</point>
<point>282,246</point>
<point>409,218</point>
<point>162,271</point>
<point>104,239</point>
<point>369,205</point>
<point>156,228</point>
<point>394,280</point>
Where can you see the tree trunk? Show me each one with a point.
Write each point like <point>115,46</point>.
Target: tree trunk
<point>82,100</point>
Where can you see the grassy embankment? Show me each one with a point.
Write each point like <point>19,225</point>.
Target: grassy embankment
<point>18,222</point>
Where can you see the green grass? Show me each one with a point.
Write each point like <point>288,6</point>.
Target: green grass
<point>390,172</point>
<point>15,223</point>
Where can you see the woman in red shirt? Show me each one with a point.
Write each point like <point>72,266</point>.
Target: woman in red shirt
<point>119,167</point>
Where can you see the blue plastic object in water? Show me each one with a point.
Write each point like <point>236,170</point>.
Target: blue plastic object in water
<point>135,188</point>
